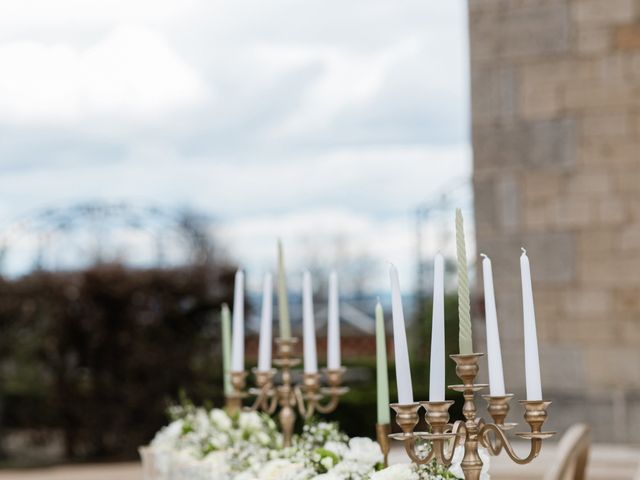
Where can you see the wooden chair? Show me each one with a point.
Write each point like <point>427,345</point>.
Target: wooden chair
<point>572,455</point>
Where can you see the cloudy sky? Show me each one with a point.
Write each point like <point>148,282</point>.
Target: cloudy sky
<point>308,120</point>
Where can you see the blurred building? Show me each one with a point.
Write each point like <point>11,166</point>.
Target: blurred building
<point>556,139</point>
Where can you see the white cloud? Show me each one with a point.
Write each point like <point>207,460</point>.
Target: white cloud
<point>130,74</point>
<point>316,119</point>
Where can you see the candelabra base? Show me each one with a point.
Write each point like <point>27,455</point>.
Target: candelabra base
<point>383,430</point>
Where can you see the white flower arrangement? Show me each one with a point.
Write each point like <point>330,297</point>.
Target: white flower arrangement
<point>211,445</point>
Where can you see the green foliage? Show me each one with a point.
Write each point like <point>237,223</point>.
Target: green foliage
<point>98,353</point>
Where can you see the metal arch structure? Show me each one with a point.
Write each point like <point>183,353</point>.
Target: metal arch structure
<point>89,232</point>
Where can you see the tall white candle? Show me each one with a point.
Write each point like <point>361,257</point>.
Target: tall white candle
<point>403,370</point>
<point>237,342</point>
<point>436,375</point>
<point>308,326</point>
<point>494,352</point>
<point>333,324</point>
<point>266,321</point>
<point>531,359</point>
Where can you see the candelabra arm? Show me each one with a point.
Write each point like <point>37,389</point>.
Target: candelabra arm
<point>502,442</point>
<point>271,408</point>
<point>407,417</point>
<point>305,409</point>
<point>445,458</point>
<point>264,390</point>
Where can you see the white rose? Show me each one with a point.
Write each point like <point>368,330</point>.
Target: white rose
<point>364,450</point>
<point>220,419</point>
<point>168,436</point>
<point>400,471</point>
<point>279,470</point>
<point>250,421</point>
<point>339,448</point>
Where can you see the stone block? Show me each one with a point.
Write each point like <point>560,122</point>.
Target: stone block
<point>552,257</point>
<point>581,302</point>
<point>572,212</point>
<point>612,211</point>
<point>597,243</point>
<point>607,124</point>
<point>627,37</point>
<point>626,301</point>
<point>610,153</point>
<point>507,202</point>
<point>484,205</point>
<point>542,185</point>
<point>599,12</point>
<point>629,239</point>
<point>613,366</point>
<point>589,182</point>
<point>538,218</point>
<point>559,71</point>
<point>529,30</point>
<point>539,101</point>
<point>611,271</point>
<point>593,40</point>
<point>493,94</point>
<point>600,96</point>
<point>536,144</point>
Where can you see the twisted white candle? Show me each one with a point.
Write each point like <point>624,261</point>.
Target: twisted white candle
<point>464,309</point>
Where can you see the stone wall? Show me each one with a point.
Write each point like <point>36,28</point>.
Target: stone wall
<point>556,139</point>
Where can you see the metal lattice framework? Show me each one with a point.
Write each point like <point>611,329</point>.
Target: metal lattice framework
<point>76,235</point>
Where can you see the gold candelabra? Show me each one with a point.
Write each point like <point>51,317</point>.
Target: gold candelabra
<point>471,432</point>
<point>305,399</point>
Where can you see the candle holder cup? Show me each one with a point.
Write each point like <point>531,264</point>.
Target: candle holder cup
<point>471,433</point>
<point>291,399</point>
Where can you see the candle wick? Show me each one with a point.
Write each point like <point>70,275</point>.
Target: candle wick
<point>524,251</point>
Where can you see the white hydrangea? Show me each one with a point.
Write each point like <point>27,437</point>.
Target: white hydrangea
<point>211,445</point>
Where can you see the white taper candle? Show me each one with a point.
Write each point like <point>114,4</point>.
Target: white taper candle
<point>494,352</point>
<point>237,333</point>
<point>308,326</point>
<point>436,374</point>
<point>531,359</point>
<point>403,370</point>
<point>266,323</point>
<point>333,324</point>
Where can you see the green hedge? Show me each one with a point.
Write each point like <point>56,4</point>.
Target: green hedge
<point>99,353</point>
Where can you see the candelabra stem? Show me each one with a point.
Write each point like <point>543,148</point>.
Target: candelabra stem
<point>467,369</point>
<point>305,399</point>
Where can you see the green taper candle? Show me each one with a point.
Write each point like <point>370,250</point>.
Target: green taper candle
<point>464,309</point>
<point>226,348</point>
<point>382,372</point>
<point>283,297</point>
